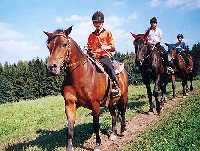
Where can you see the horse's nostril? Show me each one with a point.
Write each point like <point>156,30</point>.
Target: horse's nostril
<point>54,65</point>
<point>51,67</point>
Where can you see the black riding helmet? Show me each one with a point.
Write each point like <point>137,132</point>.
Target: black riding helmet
<point>153,20</point>
<point>98,16</point>
<point>180,36</point>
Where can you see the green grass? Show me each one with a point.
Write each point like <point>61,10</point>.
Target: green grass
<point>176,130</point>
<point>41,124</point>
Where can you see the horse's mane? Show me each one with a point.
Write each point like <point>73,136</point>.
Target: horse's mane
<point>57,31</point>
<point>140,37</point>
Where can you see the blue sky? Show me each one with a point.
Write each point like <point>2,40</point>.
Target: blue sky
<point>22,22</point>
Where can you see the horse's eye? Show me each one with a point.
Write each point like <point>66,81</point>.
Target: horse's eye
<point>64,45</point>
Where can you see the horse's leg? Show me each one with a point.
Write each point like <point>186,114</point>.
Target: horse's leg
<point>163,86</point>
<point>149,93</point>
<point>163,91</point>
<point>70,110</point>
<point>96,125</point>
<point>114,121</point>
<point>191,79</point>
<point>174,85</point>
<point>122,109</point>
<point>156,94</point>
<point>186,86</point>
<point>184,82</point>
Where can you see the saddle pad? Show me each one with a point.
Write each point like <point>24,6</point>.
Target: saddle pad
<point>97,64</point>
<point>118,66</point>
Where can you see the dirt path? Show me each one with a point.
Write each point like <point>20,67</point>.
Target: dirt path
<point>134,127</point>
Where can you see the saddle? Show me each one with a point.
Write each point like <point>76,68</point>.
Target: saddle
<point>118,66</point>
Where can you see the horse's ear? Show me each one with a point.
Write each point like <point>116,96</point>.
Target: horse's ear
<point>134,35</point>
<point>166,44</point>
<point>48,34</point>
<point>68,31</point>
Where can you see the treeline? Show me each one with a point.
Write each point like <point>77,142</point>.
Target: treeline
<point>27,80</point>
<point>195,52</point>
<point>31,80</point>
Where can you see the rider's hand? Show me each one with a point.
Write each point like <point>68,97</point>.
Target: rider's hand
<point>105,47</point>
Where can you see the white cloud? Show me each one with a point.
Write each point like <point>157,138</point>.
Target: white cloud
<point>7,33</point>
<point>76,18</point>
<point>118,3</point>
<point>83,27</point>
<point>59,20</point>
<point>14,46</point>
<point>155,3</point>
<point>133,16</point>
<point>191,4</point>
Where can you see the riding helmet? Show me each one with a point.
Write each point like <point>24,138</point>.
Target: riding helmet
<point>153,20</point>
<point>98,16</point>
<point>180,36</point>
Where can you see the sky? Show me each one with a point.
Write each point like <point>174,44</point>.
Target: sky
<point>22,23</point>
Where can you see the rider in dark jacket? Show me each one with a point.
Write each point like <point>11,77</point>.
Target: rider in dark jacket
<point>181,43</point>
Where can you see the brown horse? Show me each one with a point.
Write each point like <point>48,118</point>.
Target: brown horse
<point>183,70</point>
<point>152,69</point>
<point>84,85</point>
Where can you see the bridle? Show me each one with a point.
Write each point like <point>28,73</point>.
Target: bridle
<point>66,61</point>
<point>144,47</point>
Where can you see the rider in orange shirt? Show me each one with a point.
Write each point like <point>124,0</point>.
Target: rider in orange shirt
<point>100,46</point>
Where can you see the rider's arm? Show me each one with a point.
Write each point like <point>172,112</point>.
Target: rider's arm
<point>184,46</point>
<point>160,35</point>
<point>110,42</point>
<point>93,44</point>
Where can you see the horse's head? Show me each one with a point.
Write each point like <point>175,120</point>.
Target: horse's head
<point>171,51</point>
<point>141,50</point>
<point>59,45</point>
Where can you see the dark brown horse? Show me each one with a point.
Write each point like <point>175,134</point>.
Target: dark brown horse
<point>183,69</point>
<point>152,69</point>
<point>84,85</point>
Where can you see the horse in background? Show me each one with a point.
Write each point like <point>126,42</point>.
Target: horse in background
<point>152,69</point>
<point>84,84</point>
<point>183,66</point>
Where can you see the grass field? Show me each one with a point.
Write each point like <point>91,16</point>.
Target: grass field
<point>41,124</point>
<point>177,130</point>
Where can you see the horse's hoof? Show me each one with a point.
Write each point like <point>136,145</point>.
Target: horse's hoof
<point>123,132</point>
<point>97,148</point>
<point>113,137</point>
<point>150,110</point>
<point>158,110</point>
<point>187,94</point>
<point>150,113</point>
<point>70,149</point>
<point>184,96</point>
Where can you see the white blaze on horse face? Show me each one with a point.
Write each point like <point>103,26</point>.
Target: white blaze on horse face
<point>60,50</point>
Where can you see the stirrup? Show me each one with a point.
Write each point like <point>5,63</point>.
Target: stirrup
<point>115,89</point>
<point>170,70</point>
<point>115,92</point>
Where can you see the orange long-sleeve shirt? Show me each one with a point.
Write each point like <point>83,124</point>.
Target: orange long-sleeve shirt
<point>96,40</point>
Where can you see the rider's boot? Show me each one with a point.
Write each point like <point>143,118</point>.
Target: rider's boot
<point>115,89</point>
